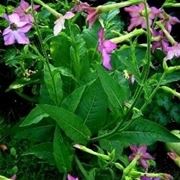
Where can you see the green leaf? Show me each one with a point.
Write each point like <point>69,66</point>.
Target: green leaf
<point>72,101</point>
<point>53,83</point>
<point>129,58</point>
<point>70,123</point>
<point>35,134</point>
<point>62,152</point>
<point>42,151</point>
<point>93,107</point>
<point>34,117</point>
<point>60,50</point>
<point>144,132</point>
<point>116,94</point>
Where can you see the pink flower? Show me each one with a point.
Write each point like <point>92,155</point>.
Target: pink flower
<point>141,153</point>
<point>160,42</point>
<point>137,15</point>
<point>23,10</point>
<point>59,23</point>
<point>92,13</point>
<point>69,177</point>
<point>171,21</point>
<point>16,30</point>
<point>168,21</point>
<point>173,51</point>
<point>105,47</point>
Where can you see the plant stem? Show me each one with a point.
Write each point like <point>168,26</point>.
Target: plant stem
<point>109,7</point>
<point>125,37</point>
<point>46,59</point>
<point>51,10</point>
<point>153,93</point>
<point>167,34</point>
<point>170,5</point>
<point>171,91</point>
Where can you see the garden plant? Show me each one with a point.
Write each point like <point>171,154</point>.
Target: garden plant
<point>89,90</point>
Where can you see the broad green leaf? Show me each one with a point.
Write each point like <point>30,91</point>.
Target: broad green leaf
<point>60,50</point>
<point>34,117</point>
<point>116,93</point>
<point>72,101</point>
<point>53,83</point>
<point>35,134</point>
<point>93,107</point>
<point>42,151</point>
<point>70,123</point>
<point>62,152</point>
<point>4,178</point>
<point>143,131</point>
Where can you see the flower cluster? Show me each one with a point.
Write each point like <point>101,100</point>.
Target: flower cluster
<point>160,34</point>
<point>20,22</point>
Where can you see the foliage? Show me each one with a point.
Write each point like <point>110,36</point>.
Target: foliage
<point>78,103</point>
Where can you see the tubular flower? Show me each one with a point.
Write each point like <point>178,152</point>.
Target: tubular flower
<point>142,155</point>
<point>137,15</point>
<point>23,10</point>
<point>160,42</point>
<point>106,47</point>
<point>92,13</point>
<point>173,51</point>
<point>59,23</point>
<point>16,30</point>
<point>168,21</point>
<point>69,177</point>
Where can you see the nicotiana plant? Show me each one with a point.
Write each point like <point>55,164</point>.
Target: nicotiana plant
<point>91,85</point>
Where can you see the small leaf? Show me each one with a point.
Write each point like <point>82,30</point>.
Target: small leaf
<point>34,117</point>
<point>70,123</point>
<point>62,152</point>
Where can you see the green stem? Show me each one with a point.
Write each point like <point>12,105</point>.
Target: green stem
<point>125,37</point>
<point>90,151</point>
<point>46,58</point>
<point>109,7</point>
<point>83,171</point>
<point>167,34</point>
<point>26,97</point>
<point>51,10</point>
<point>153,92</point>
<point>170,5</point>
<point>171,91</point>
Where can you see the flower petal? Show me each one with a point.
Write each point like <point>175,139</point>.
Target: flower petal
<point>21,38</point>
<point>59,25</point>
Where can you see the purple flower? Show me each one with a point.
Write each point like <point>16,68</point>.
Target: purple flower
<point>16,30</point>
<point>105,47</point>
<point>92,13</point>
<point>59,23</point>
<point>141,153</point>
<point>168,21</point>
<point>149,178</point>
<point>137,15</point>
<point>23,11</point>
<point>173,51</point>
<point>69,177</point>
<point>160,41</point>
